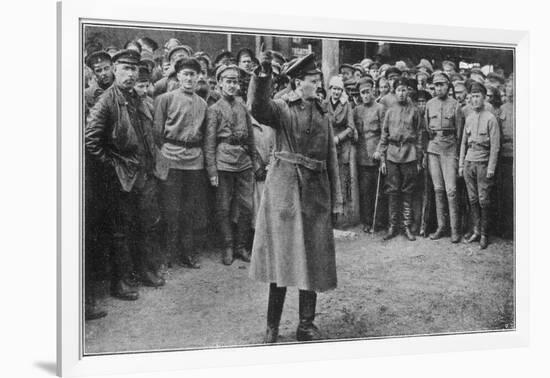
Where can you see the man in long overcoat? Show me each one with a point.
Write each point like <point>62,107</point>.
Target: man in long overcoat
<point>294,242</point>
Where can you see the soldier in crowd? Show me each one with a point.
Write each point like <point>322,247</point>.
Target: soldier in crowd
<point>119,136</point>
<point>444,125</point>
<point>460,92</point>
<point>392,74</point>
<point>358,71</point>
<point>203,88</point>
<point>400,152</point>
<point>346,71</point>
<point>368,118</point>
<point>100,64</point>
<point>383,88</point>
<point>231,164</point>
<point>143,83</point>
<point>478,160</point>
<point>245,58</point>
<point>341,115</point>
<point>170,82</point>
<point>294,242</point>
<point>505,168</point>
<point>180,122</point>
<point>448,67</point>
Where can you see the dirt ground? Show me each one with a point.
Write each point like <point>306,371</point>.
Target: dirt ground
<point>384,289</point>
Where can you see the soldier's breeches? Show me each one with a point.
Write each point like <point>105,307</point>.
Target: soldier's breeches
<point>400,178</point>
<point>233,202</point>
<point>443,170</point>
<point>478,185</point>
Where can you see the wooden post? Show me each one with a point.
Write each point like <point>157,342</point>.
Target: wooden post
<point>330,58</point>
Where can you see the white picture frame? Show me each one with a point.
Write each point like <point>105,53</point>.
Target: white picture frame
<point>70,359</point>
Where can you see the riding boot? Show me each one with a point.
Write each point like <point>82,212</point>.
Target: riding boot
<point>393,209</point>
<point>307,331</point>
<point>408,216</point>
<point>453,217</point>
<point>274,312</point>
<point>484,240</point>
<point>474,212</point>
<point>440,198</point>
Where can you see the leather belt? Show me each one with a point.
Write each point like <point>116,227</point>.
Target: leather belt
<point>232,141</point>
<point>306,162</point>
<point>182,143</point>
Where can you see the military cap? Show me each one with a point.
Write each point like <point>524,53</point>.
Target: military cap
<point>392,71</point>
<point>350,83</point>
<point>448,63</point>
<point>374,65</point>
<point>227,67</point>
<point>496,77</point>
<point>359,67</point>
<point>413,83</point>
<point>302,67</point>
<point>133,43</point>
<point>143,74</point>
<point>425,65</point>
<point>245,51</point>
<point>96,58</point>
<point>422,73</point>
<point>455,77</point>
<point>190,63</point>
<point>225,57</point>
<point>459,84</point>
<point>401,81</point>
<point>174,49</point>
<point>111,50</point>
<point>172,42</point>
<point>201,55</point>
<point>478,88</point>
<point>127,56</point>
<point>423,94</point>
<point>477,71</point>
<point>384,67</point>
<point>149,43</point>
<point>401,65</point>
<point>366,63</point>
<point>364,81</point>
<point>346,65</point>
<point>440,77</point>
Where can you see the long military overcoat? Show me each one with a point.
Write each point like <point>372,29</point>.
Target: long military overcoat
<point>294,242</point>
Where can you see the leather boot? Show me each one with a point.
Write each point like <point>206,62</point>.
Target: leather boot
<point>122,270</point>
<point>307,331</point>
<point>453,217</point>
<point>474,212</point>
<point>122,290</point>
<point>274,312</point>
<point>440,198</point>
<point>484,240</point>
<point>91,310</point>
<point>393,209</point>
<point>408,216</point>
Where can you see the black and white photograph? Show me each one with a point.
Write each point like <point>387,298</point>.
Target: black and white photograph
<point>255,189</point>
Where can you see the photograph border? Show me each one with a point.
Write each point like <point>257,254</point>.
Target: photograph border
<point>168,13</point>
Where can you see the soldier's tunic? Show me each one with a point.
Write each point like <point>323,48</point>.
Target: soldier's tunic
<point>368,120</point>
<point>166,84</point>
<point>229,152</point>
<point>180,122</point>
<point>479,154</point>
<point>294,242</point>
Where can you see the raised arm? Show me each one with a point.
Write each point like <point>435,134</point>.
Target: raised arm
<point>261,106</point>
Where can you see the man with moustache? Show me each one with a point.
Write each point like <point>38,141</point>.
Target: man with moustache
<point>478,160</point>
<point>119,137</point>
<point>294,241</point>
<point>230,163</point>
<point>444,125</point>
<point>179,126</point>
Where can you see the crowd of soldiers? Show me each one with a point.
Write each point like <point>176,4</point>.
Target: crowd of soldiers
<point>181,146</point>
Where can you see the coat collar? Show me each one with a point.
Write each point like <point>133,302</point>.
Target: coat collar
<point>121,100</point>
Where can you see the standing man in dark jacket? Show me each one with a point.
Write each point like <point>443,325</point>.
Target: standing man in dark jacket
<point>294,241</point>
<point>230,151</point>
<point>119,136</point>
<point>478,161</point>
<point>180,121</point>
<point>400,152</point>
<point>444,125</point>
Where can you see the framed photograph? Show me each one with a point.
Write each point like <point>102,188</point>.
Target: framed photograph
<point>240,187</point>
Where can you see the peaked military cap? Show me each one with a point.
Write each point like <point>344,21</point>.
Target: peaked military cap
<point>150,43</point>
<point>364,81</point>
<point>225,57</point>
<point>97,57</point>
<point>185,48</point>
<point>440,77</point>
<point>127,56</point>
<point>476,87</point>
<point>392,71</point>
<point>346,65</point>
<point>303,66</point>
<point>227,67</point>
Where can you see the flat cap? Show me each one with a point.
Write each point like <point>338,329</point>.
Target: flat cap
<point>127,56</point>
<point>359,67</point>
<point>346,65</point>
<point>97,57</point>
<point>425,65</point>
<point>364,81</point>
<point>190,63</point>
